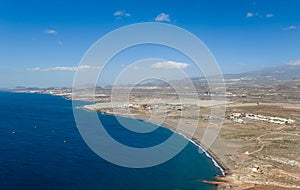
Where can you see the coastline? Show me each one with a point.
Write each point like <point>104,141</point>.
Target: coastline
<point>181,172</point>
<point>208,152</point>
<point>218,162</point>
<point>249,151</point>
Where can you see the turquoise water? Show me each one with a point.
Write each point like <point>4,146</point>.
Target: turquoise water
<point>41,148</point>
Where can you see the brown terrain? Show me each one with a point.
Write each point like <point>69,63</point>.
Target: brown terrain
<point>240,147</point>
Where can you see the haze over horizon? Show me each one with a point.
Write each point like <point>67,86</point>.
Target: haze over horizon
<point>42,43</point>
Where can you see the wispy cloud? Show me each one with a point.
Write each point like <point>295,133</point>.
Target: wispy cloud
<point>50,31</point>
<point>121,13</point>
<point>162,17</point>
<point>294,63</point>
<point>258,15</point>
<point>64,68</point>
<point>53,69</point>
<point>118,13</point>
<point>269,15</point>
<point>292,27</point>
<point>249,15</point>
<point>169,65</point>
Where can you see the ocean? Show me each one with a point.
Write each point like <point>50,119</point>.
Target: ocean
<point>41,148</point>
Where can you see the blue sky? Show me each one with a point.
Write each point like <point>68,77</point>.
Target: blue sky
<point>42,42</point>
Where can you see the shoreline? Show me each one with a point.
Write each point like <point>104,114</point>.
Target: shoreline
<point>209,153</point>
<point>249,151</point>
<point>232,153</point>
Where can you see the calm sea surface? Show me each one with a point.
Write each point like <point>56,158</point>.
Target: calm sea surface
<point>41,148</point>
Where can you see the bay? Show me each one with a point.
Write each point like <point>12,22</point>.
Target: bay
<point>41,148</point>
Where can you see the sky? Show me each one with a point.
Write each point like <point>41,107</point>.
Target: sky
<point>43,42</point>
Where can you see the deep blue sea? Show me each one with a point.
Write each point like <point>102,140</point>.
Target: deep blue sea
<point>41,148</point>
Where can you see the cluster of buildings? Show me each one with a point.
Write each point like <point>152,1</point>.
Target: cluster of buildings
<point>146,106</point>
<point>138,106</point>
<point>239,118</point>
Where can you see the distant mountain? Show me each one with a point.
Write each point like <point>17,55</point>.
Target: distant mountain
<point>265,75</point>
<point>285,72</point>
<point>153,82</point>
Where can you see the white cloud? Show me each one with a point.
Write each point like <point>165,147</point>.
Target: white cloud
<point>63,68</point>
<point>118,13</point>
<point>53,69</point>
<point>294,63</point>
<point>162,17</point>
<point>169,65</point>
<point>249,15</point>
<point>33,69</point>
<point>121,13</point>
<point>258,15</point>
<point>51,31</point>
<point>86,68</point>
<point>269,15</point>
<point>292,27</point>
